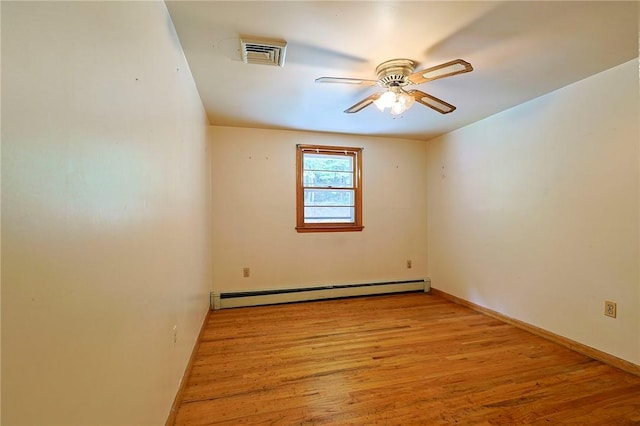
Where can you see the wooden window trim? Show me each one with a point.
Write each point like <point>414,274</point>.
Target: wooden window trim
<point>301,226</point>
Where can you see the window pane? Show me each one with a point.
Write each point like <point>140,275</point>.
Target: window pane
<point>328,179</point>
<point>319,197</point>
<point>329,214</point>
<point>326,162</point>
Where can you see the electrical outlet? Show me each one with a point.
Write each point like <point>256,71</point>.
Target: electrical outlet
<point>175,334</point>
<point>610,309</point>
<point>246,272</point>
<point>408,264</point>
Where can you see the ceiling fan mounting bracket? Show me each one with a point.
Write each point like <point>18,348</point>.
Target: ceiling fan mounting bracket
<point>395,72</point>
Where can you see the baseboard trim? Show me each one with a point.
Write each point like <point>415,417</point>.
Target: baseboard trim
<point>305,294</point>
<point>187,372</point>
<point>599,355</point>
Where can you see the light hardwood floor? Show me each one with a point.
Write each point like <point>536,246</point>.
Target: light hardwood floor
<point>396,359</point>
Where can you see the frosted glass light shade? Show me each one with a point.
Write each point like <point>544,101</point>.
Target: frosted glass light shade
<point>396,99</point>
<point>386,100</point>
<point>397,108</point>
<point>406,99</point>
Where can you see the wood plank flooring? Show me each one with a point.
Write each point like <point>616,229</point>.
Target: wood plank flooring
<point>398,360</point>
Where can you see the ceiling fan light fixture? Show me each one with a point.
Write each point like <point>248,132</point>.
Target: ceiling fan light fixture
<point>386,100</point>
<point>398,108</point>
<point>396,99</point>
<point>406,99</point>
<point>395,75</point>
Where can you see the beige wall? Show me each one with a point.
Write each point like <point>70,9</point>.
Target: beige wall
<point>105,213</point>
<point>254,217</point>
<point>534,212</point>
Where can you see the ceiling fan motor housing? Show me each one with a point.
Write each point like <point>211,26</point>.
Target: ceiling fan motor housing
<point>395,72</point>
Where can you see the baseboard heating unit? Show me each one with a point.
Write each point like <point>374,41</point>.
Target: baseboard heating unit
<point>271,297</point>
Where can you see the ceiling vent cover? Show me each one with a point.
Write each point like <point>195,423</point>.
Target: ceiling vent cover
<point>263,51</point>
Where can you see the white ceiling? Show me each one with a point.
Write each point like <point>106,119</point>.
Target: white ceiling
<point>519,50</point>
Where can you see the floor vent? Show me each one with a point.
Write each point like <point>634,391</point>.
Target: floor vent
<point>263,51</point>
<point>272,297</point>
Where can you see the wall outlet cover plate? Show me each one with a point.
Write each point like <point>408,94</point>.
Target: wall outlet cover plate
<point>610,309</point>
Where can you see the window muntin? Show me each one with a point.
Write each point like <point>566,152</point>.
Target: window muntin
<point>329,194</point>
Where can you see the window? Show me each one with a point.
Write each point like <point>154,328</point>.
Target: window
<point>329,189</point>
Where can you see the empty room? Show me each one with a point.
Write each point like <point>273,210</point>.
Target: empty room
<point>320,212</point>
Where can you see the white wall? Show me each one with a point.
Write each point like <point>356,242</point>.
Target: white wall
<point>105,213</point>
<point>254,181</point>
<point>533,212</point>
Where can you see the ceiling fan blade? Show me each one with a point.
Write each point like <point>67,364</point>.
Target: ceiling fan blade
<point>362,104</point>
<point>447,69</point>
<point>431,101</point>
<point>346,81</point>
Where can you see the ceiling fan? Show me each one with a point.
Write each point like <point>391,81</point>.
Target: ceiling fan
<point>395,75</point>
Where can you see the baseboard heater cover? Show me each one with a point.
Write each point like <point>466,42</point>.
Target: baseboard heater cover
<point>270,297</point>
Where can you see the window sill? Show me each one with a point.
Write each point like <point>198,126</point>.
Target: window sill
<point>329,228</point>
